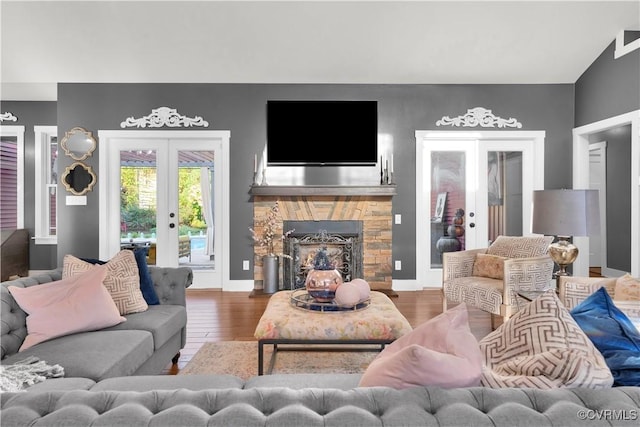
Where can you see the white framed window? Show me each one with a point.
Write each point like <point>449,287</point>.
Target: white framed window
<point>46,188</point>
<point>12,177</point>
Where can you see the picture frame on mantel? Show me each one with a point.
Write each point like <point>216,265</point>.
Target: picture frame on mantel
<point>438,213</point>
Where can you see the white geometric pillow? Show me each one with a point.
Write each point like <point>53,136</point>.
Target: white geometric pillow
<point>520,246</point>
<point>122,281</point>
<point>575,291</point>
<point>541,346</point>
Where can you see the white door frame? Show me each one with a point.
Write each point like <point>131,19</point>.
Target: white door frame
<point>423,204</point>
<point>581,181</point>
<point>106,248</point>
<point>597,170</point>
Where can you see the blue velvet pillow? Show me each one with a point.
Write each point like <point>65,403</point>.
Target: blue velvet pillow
<point>613,334</point>
<point>146,283</point>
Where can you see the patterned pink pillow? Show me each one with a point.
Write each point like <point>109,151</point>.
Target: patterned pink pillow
<point>491,266</point>
<point>441,352</point>
<point>122,281</point>
<point>75,304</point>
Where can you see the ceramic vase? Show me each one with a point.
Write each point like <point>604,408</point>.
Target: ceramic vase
<point>322,284</point>
<point>270,273</point>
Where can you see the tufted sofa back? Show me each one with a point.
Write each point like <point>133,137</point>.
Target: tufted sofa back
<point>279,406</point>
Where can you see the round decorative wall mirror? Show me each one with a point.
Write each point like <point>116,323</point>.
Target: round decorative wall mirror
<point>78,179</point>
<point>78,143</point>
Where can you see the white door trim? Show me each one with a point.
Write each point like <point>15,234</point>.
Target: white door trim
<point>105,250</point>
<point>581,181</point>
<point>423,205</point>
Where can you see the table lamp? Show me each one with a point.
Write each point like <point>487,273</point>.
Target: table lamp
<point>565,213</point>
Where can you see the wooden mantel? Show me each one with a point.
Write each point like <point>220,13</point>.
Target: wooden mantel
<point>323,190</point>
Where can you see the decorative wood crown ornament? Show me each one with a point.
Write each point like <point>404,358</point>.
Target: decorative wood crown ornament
<point>164,116</point>
<point>479,116</point>
<point>8,117</point>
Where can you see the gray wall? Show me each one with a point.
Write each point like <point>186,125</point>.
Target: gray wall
<point>609,87</point>
<point>240,108</point>
<point>30,114</point>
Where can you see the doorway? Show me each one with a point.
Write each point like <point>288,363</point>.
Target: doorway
<point>625,233</point>
<point>471,187</point>
<point>165,192</point>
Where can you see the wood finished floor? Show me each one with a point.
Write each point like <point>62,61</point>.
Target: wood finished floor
<point>214,315</point>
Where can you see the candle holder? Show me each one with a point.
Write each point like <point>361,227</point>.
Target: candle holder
<point>264,177</point>
<point>255,178</point>
<point>390,182</point>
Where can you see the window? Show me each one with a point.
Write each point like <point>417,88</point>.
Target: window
<point>46,162</point>
<point>12,177</point>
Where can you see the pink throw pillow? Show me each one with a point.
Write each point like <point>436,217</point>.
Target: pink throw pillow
<point>75,304</point>
<point>441,352</point>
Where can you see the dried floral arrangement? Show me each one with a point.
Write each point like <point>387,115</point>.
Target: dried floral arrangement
<point>268,231</point>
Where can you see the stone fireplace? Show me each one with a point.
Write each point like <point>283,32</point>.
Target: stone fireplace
<point>358,220</point>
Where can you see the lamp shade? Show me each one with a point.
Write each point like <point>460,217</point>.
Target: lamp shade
<point>565,212</point>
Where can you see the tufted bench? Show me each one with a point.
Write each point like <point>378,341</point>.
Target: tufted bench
<point>283,323</point>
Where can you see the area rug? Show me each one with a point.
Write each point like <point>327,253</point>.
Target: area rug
<point>240,358</point>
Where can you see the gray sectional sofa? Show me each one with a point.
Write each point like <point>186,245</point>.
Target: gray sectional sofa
<point>144,344</point>
<point>114,390</point>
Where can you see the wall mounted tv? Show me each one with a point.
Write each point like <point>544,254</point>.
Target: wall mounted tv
<point>322,133</point>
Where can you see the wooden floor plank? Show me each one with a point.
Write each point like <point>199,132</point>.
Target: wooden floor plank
<point>214,315</point>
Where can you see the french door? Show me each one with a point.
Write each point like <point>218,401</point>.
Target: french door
<point>163,193</point>
<point>471,188</point>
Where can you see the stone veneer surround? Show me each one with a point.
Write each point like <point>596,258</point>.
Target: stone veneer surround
<point>375,212</point>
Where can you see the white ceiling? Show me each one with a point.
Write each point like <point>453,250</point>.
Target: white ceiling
<point>302,42</point>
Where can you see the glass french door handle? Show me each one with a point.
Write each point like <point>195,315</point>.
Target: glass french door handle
<point>172,225</point>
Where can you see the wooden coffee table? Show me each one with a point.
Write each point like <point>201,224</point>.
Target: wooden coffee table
<point>367,329</point>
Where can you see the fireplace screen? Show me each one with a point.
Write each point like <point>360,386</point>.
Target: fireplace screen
<point>344,251</point>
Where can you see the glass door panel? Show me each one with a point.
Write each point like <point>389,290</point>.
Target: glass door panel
<point>448,197</point>
<point>138,201</point>
<point>196,228</point>
<point>504,194</point>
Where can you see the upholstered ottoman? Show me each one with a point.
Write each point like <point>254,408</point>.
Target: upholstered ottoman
<point>376,325</point>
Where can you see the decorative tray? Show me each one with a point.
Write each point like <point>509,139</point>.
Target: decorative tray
<point>301,299</point>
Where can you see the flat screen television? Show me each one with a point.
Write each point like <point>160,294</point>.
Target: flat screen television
<point>322,133</point>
